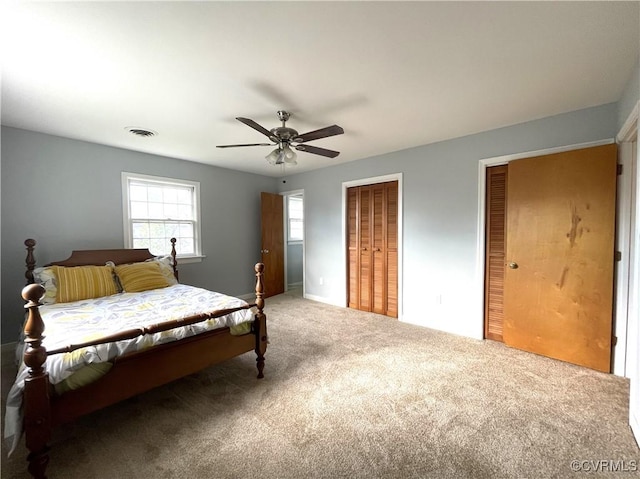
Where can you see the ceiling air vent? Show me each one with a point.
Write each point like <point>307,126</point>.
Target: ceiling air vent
<point>143,132</point>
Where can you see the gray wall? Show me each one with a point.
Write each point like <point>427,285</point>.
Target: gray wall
<point>67,195</point>
<point>440,207</point>
<point>294,263</point>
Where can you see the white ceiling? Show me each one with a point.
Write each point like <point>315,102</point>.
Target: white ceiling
<point>394,74</point>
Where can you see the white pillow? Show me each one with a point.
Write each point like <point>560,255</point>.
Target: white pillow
<point>166,267</point>
<point>47,279</point>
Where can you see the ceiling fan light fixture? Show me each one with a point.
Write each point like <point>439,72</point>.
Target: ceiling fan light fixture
<point>291,161</point>
<point>272,158</point>
<point>289,155</point>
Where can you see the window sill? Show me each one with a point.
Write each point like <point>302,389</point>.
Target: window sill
<point>189,259</point>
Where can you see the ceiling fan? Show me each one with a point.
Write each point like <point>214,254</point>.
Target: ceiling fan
<point>286,138</point>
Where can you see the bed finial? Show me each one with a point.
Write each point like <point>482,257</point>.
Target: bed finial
<point>35,355</point>
<point>259,267</point>
<point>173,257</point>
<point>30,261</point>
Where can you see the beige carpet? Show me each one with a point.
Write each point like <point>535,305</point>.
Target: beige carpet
<point>355,395</point>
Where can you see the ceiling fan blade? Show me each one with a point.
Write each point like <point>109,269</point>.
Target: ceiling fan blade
<point>317,134</point>
<point>247,144</point>
<point>255,126</point>
<point>317,151</point>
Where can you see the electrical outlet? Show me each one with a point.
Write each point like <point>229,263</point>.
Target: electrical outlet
<point>321,280</point>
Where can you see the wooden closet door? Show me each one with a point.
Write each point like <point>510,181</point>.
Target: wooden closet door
<point>353,249</point>
<point>496,211</point>
<point>560,252</point>
<point>372,243</point>
<point>364,229</point>
<point>378,250</point>
<point>391,191</point>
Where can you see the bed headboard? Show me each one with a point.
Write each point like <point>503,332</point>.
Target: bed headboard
<point>96,257</point>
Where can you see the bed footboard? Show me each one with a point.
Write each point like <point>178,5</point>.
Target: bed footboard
<point>43,412</point>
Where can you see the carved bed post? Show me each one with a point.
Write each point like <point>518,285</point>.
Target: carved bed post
<point>173,256</point>
<point>260,323</point>
<point>30,261</point>
<point>37,411</point>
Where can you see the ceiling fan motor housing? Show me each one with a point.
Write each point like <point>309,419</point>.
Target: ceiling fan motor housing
<point>283,133</point>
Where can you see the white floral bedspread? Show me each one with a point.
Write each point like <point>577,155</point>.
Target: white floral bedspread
<point>87,320</point>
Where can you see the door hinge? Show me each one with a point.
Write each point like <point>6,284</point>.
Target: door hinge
<point>614,340</point>
<point>619,169</point>
<point>618,256</point>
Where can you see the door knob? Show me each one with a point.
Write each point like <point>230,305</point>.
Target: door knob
<point>265,251</point>
<point>513,265</point>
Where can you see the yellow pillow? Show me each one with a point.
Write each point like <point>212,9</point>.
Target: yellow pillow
<point>138,277</point>
<point>83,282</point>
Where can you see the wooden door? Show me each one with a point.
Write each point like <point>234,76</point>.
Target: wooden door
<point>364,245</point>
<point>558,296</point>
<point>495,243</point>
<point>391,248</point>
<point>272,249</point>
<point>372,237</point>
<point>353,248</point>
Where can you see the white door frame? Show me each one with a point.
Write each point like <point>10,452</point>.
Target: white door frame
<point>631,174</point>
<point>371,181</point>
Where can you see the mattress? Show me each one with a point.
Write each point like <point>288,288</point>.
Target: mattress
<point>92,319</point>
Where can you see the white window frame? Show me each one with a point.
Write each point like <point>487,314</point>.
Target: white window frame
<point>291,240</point>
<point>126,210</point>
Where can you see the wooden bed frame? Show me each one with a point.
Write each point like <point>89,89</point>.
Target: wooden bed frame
<point>131,374</point>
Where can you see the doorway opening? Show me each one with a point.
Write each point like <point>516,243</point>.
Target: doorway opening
<point>294,241</point>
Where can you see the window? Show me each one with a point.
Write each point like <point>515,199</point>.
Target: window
<point>296,218</point>
<point>157,209</point>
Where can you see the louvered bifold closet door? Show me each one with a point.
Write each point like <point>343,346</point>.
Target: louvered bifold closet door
<point>391,194</point>
<point>378,249</point>
<point>495,251</point>
<point>353,248</point>
<point>364,230</point>
<point>372,241</point>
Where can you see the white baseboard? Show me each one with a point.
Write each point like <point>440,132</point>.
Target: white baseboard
<point>322,299</point>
